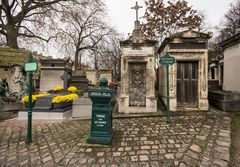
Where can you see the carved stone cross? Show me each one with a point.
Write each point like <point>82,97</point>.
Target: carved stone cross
<point>65,77</point>
<point>136,7</point>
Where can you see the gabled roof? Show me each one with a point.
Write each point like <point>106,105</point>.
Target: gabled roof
<point>138,38</point>
<point>188,34</point>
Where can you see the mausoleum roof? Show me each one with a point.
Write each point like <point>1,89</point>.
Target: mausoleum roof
<point>188,36</point>
<point>230,41</point>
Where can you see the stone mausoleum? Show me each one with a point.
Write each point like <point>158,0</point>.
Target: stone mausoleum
<point>137,94</point>
<point>188,77</point>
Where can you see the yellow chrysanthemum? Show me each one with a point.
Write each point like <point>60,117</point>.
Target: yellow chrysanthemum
<point>57,88</point>
<point>25,99</point>
<point>72,89</point>
<point>64,98</point>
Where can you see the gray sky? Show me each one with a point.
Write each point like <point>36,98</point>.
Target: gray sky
<point>122,17</point>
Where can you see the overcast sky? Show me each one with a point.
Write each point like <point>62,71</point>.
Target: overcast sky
<point>122,16</point>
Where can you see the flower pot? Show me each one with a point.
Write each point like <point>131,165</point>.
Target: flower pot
<point>62,105</point>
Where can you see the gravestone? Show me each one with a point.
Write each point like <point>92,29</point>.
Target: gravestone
<point>82,108</point>
<point>79,80</point>
<point>51,72</point>
<point>137,94</point>
<point>106,74</point>
<point>44,103</point>
<point>92,76</point>
<point>65,77</point>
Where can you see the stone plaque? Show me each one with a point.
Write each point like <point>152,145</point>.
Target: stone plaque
<point>137,84</point>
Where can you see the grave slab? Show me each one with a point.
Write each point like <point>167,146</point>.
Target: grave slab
<point>22,115</point>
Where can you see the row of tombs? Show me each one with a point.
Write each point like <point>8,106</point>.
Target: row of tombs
<point>188,76</point>
<point>143,78</point>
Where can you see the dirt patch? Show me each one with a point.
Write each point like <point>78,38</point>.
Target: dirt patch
<point>235,140</point>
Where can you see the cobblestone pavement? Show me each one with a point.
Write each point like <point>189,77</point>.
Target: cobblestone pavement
<point>201,139</point>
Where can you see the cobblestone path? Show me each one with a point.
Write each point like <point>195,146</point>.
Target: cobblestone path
<point>198,140</point>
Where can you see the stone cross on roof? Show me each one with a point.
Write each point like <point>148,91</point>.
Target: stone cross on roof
<point>136,7</point>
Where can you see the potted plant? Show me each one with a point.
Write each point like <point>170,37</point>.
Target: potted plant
<point>25,99</point>
<point>62,101</point>
<point>58,90</point>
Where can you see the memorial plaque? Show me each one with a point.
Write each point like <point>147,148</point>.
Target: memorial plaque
<point>137,84</point>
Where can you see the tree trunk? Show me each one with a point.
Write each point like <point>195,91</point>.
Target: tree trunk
<point>12,35</point>
<point>76,61</point>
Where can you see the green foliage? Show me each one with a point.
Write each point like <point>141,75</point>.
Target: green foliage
<point>51,91</point>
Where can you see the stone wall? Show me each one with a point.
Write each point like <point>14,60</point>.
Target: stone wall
<point>9,56</point>
<point>231,68</point>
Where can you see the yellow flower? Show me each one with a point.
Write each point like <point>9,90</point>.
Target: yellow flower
<point>64,98</point>
<point>72,89</point>
<point>25,99</point>
<point>57,88</point>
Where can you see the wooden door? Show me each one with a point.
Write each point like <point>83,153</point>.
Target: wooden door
<point>137,84</point>
<point>187,83</point>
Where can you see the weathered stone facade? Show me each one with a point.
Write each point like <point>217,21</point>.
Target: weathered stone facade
<point>137,94</point>
<point>189,75</point>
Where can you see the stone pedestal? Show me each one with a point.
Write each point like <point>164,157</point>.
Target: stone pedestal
<point>82,108</point>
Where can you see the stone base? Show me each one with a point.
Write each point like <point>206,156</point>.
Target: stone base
<point>96,138</point>
<point>38,115</point>
<point>123,106</point>
<point>202,105</point>
<point>82,108</point>
<point>225,100</point>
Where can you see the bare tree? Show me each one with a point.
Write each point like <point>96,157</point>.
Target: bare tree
<point>82,28</point>
<point>169,17</point>
<point>107,56</point>
<point>16,16</point>
<point>231,22</point>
